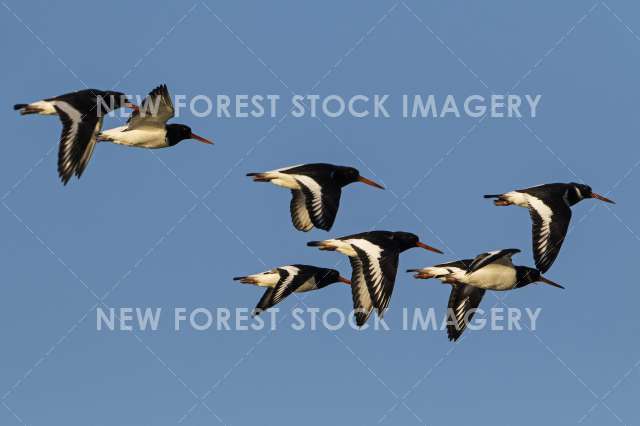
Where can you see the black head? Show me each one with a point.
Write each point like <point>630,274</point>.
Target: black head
<point>329,276</point>
<point>179,132</point>
<point>579,192</point>
<point>346,175</point>
<point>407,240</point>
<point>526,276</point>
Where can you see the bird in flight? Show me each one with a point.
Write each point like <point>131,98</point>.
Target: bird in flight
<point>284,280</point>
<point>147,127</point>
<point>81,114</point>
<point>315,189</point>
<point>550,209</point>
<point>470,278</point>
<point>374,263</point>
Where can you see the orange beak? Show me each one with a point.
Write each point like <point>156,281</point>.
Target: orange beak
<point>601,198</point>
<point>201,139</point>
<point>426,247</point>
<point>369,182</point>
<point>132,106</point>
<point>344,280</point>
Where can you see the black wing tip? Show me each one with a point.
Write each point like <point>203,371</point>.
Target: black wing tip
<point>453,336</point>
<point>492,196</point>
<point>17,107</point>
<point>238,278</point>
<point>314,243</point>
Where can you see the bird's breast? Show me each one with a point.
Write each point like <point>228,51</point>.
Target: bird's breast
<point>492,277</point>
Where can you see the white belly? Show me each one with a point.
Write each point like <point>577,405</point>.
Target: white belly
<point>491,277</point>
<point>141,138</point>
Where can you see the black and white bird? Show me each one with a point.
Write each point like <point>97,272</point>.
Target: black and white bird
<point>81,114</point>
<point>284,280</point>
<point>147,127</point>
<point>374,263</point>
<point>469,278</point>
<point>315,190</point>
<point>550,209</point>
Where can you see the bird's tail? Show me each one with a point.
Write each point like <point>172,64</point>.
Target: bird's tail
<point>422,273</point>
<point>501,200</point>
<point>260,177</point>
<point>323,245</point>
<point>26,109</point>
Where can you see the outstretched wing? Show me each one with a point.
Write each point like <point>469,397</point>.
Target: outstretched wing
<point>155,111</point>
<point>322,199</point>
<point>484,259</point>
<point>77,140</point>
<point>550,221</point>
<point>379,268</point>
<point>264,303</point>
<point>362,303</point>
<point>291,278</point>
<point>463,302</point>
<point>299,214</point>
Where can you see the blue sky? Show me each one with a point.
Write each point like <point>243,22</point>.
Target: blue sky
<point>170,228</point>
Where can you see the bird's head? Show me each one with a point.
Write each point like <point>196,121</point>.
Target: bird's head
<point>330,276</point>
<point>179,132</point>
<point>526,276</point>
<point>407,240</point>
<point>346,175</point>
<point>581,191</point>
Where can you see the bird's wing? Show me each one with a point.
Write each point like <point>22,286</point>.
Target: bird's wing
<point>322,199</point>
<point>463,302</point>
<point>550,222</point>
<point>77,140</point>
<point>265,302</point>
<point>497,256</point>
<point>299,214</point>
<point>292,278</point>
<point>380,269</point>
<point>362,303</point>
<point>155,111</point>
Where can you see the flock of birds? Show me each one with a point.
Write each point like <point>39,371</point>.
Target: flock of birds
<point>316,190</point>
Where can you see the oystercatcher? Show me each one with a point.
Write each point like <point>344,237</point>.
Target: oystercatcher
<point>374,262</point>
<point>549,206</point>
<point>81,114</point>
<point>284,280</point>
<point>147,126</point>
<point>469,278</point>
<point>315,190</point>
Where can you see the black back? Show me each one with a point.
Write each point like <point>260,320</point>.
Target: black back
<point>324,173</point>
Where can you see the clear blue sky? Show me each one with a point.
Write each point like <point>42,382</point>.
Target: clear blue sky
<point>130,223</point>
